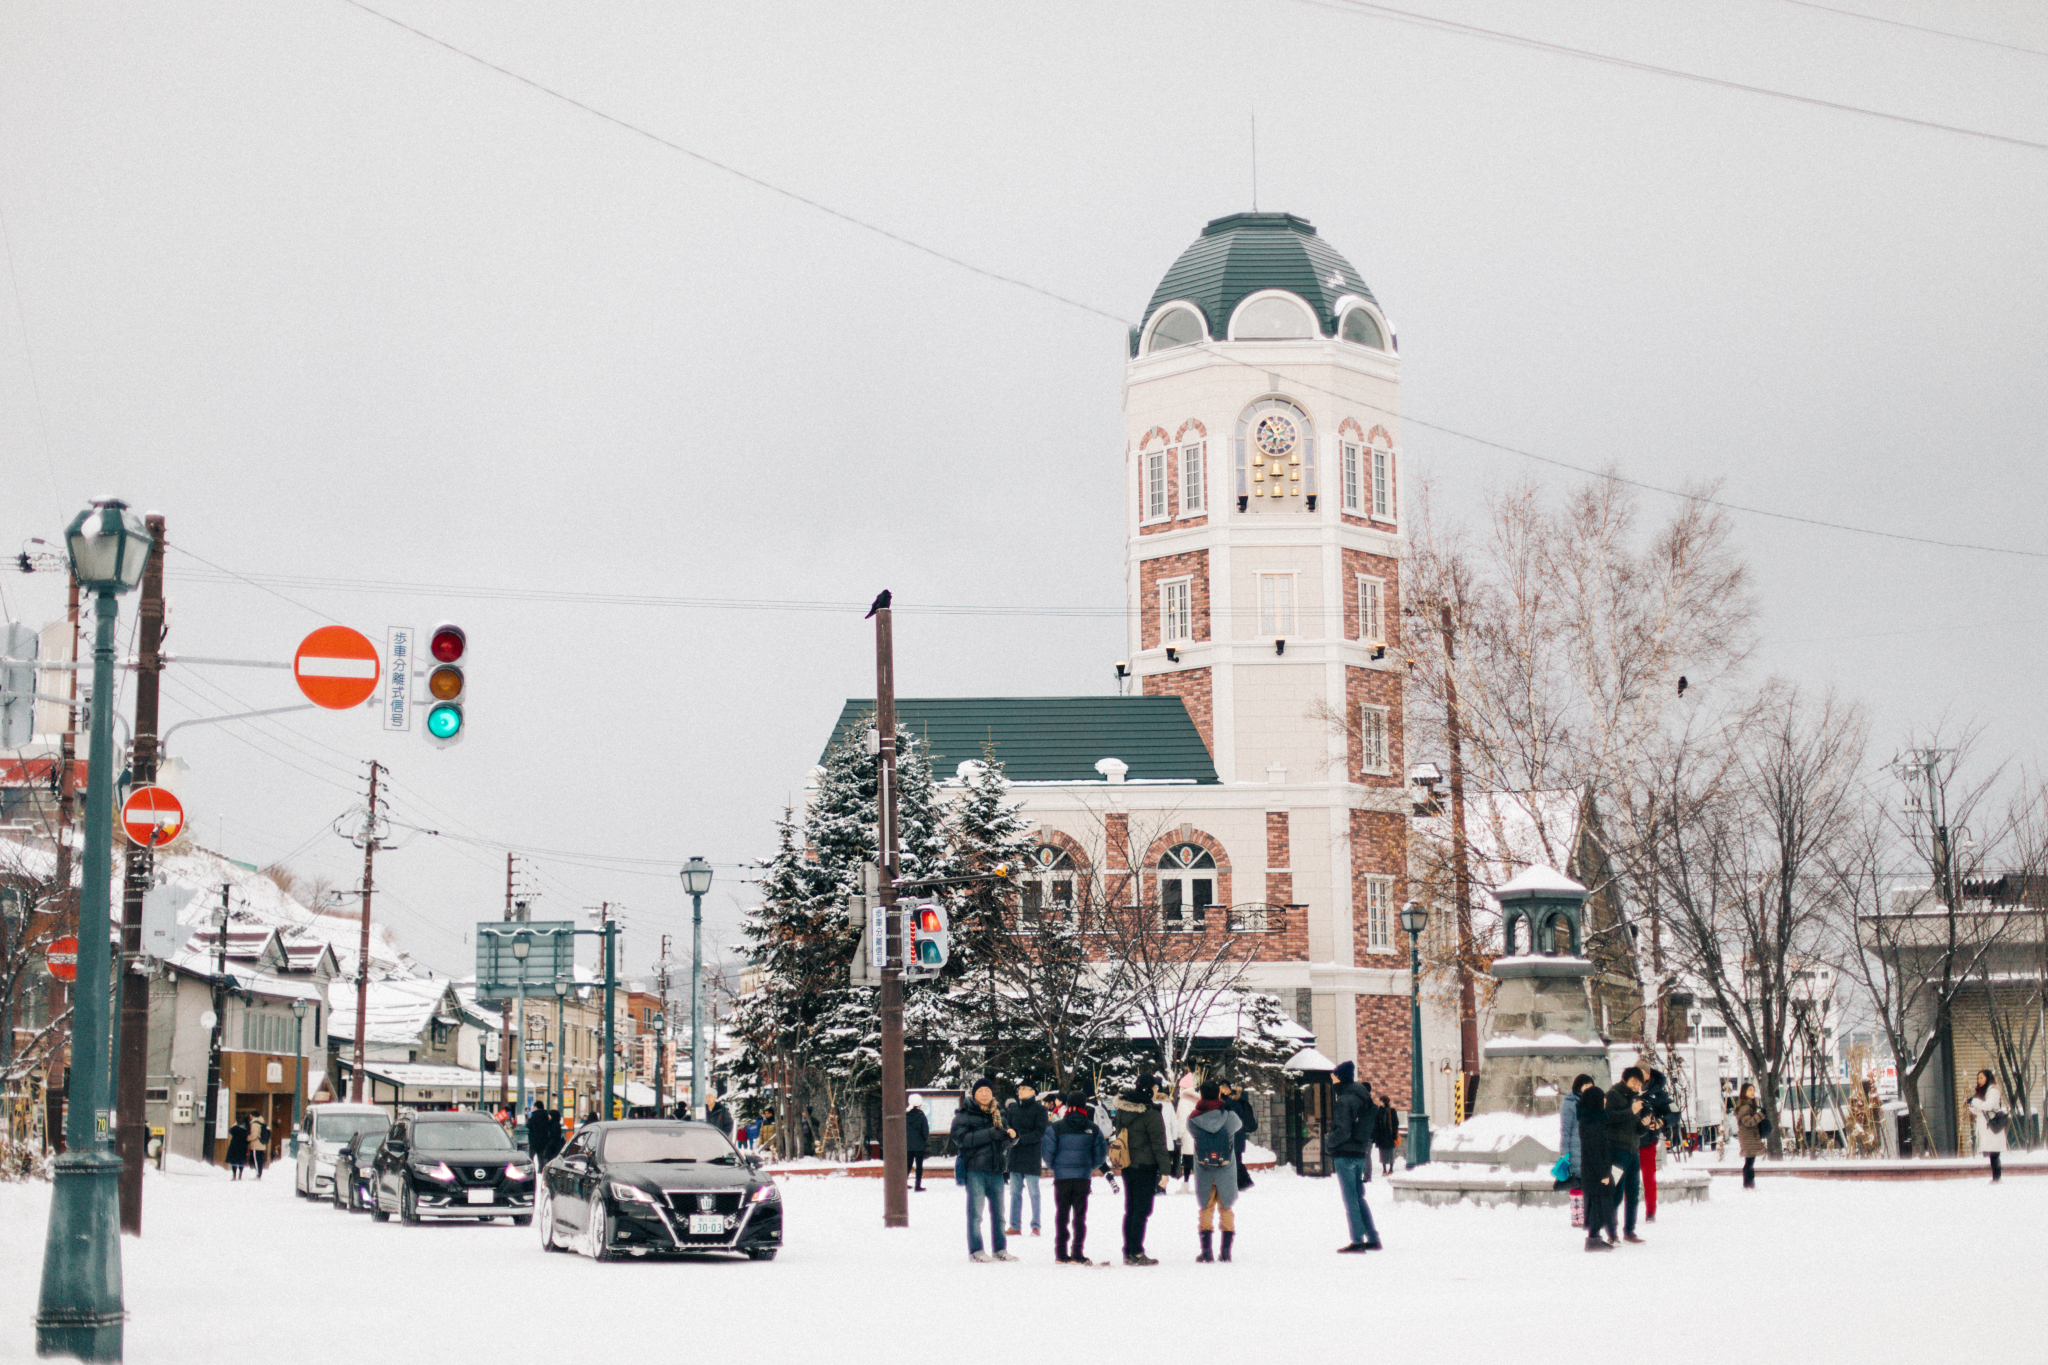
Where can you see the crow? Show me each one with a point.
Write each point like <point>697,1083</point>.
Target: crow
<point>1682,684</point>
<point>882,601</point>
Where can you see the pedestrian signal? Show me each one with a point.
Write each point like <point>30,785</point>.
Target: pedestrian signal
<point>447,684</point>
<point>931,942</point>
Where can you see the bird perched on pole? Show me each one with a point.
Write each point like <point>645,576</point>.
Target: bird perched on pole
<point>1682,683</point>
<point>881,601</point>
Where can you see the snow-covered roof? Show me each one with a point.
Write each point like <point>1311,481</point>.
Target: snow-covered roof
<point>1538,880</point>
<point>1228,1015</point>
<point>252,979</point>
<point>399,1010</point>
<point>413,1074</point>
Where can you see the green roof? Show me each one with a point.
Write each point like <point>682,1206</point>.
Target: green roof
<point>1051,739</point>
<point>1240,254</point>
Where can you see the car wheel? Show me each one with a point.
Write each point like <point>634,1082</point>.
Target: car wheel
<point>600,1230</point>
<point>377,1207</point>
<point>520,1220</point>
<point>544,1216</point>
<point>339,1200</point>
<point>408,1204</point>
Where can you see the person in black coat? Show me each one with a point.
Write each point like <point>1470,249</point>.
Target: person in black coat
<point>1386,1135</point>
<point>1628,1119</point>
<point>1596,1162</point>
<point>238,1147</point>
<point>1350,1150</point>
<point>1137,1116</point>
<point>1248,1123</point>
<point>1027,1121</point>
<point>917,1140</point>
<point>980,1145</point>
<point>720,1116</point>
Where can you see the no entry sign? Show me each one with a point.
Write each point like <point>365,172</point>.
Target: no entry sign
<point>151,817</point>
<point>62,957</point>
<point>336,667</point>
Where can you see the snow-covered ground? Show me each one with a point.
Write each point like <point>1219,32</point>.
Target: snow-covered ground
<point>1797,1269</point>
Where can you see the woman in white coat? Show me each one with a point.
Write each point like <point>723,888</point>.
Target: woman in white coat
<point>1984,1104</point>
<point>1180,1135</point>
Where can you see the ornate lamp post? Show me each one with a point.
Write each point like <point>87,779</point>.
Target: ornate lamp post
<point>696,881</point>
<point>80,1311</point>
<point>1414,919</point>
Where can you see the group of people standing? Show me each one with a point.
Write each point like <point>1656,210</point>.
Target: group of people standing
<point>249,1142</point>
<point>1610,1139</point>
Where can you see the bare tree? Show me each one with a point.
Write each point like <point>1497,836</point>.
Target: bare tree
<point>1746,833</point>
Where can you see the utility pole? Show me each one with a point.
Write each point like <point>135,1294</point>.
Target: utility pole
<point>609,930</point>
<point>369,838</point>
<point>505,1016</point>
<point>220,1021</point>
<point>59,1064</point>
<point>895,1184</point>
<point>131,1133</point>
<point>661,1034</point>
<point>1461,872</point>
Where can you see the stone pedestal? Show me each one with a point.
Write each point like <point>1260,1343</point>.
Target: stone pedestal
<point>1543,1036</point>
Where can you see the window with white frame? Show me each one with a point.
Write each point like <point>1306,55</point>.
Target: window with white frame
<point>1276,604</point>
<point>1176,611</point>
<point>1354,479</point>
<point>1155,485</point>
<point>1375,755</point>
<point>1048,883</point>
<point>1191,479</point>
<point>1383,483</point>
<point>1379,914</point>
<point>1187,888</point>
<point>1372,615</point>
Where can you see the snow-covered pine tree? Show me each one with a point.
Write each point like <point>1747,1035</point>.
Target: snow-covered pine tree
<point>799,939</point>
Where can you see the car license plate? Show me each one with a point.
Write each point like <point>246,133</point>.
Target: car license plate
<point>481,1196</point>
<point>706,1224</point>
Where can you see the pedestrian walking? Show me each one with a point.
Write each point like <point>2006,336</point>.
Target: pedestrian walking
<point>1626,1124</point>
<point>1350,1148</point>
<point>1141,1128</point>
<point>1214,1129</point>
<point>238,1147</point>
<point>719,1115</point>
<point>1596,1165</point>
<point>1386,1135</point>
<point>1659,1111</point>
<point>1073,1150</point>
<point>1027,1121</point>
<point>259,1143</point>
<point>917,1140</point>
<point>1752,1131</point>
<point>1248,1123</point>
<point>1183,1141</point>
<point>980,1143</point>
<point>1987,1106</point>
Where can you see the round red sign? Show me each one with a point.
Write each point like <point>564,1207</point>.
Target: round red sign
<point>336,667</point>
<point>62,957</point>
<point>151,817</point>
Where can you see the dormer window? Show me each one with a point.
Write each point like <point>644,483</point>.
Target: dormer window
<point>1272,317</point>
<point>1362,328</point>
<point>1175,327</point>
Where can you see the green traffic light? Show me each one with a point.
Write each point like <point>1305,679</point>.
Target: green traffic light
<point>444,721</point>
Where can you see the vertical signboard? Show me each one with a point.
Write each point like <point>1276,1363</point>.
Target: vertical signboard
<point>398,646</point>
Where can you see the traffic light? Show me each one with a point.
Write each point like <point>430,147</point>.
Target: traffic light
<point>931,943</point>
<point>447,684</point>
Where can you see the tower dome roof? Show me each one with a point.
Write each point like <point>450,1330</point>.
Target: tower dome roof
<point>1240,254</point>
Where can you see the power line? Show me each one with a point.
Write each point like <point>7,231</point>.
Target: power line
<point>1917,28</point>
<point>1364,8</point>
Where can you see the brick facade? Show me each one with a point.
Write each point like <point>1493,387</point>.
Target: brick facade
<point>1384,568</point>
<point>1279,866</point>
<point>1196,689</point>
<point>1151,573</point>
<point>1379,844</point>
<point>1349,431</point>
<point>1383,1035</point>
<point>1374,687</point>
<point>1190,430</point>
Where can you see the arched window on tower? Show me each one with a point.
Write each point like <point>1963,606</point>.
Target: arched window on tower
<point>1175,327</point>
<point>1274,316</point>
<point>1048,883</point>
<point>1361,327</point>
<point>1187,888</point>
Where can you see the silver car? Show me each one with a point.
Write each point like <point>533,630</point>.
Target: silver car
<point>322,1132</point>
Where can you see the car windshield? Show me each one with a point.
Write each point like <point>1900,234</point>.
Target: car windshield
<point>629,1146</point>
<point>368,1146</point>
<point>342,1127</point>
<point>482,1135</point>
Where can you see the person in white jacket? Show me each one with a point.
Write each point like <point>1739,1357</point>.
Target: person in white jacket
<point>1183,1137</point>
<point>1984,1103</point>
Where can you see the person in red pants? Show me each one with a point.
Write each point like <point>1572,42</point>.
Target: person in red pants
<point>1658,1110</point>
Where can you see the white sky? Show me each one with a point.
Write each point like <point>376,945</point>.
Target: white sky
<point>341,303</point>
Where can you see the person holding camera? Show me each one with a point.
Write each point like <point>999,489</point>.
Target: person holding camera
<point>1658,1107</point>
<point>1752,1131</point>
<point>1987,1106</point>
<point>1627,1123</point>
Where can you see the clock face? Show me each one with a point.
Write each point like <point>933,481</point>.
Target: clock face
<point>1274,436</point>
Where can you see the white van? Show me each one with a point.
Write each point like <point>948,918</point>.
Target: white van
<point>322,1132</point>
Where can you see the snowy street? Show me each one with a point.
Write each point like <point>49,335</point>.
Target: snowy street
<point>1797,1269</point>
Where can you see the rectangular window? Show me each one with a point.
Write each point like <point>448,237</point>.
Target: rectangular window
<point>1379,914</point>
<point>1354,481</point>
<point>1374,755</point>
<point>1382,484</point>
<point>1192,476</point>
<point>1176,611</point>
<point>1155,485</point>
<point>1276,604</point>
<point>1372,617</point>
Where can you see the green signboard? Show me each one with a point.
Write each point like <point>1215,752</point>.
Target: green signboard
<point>515,958</point>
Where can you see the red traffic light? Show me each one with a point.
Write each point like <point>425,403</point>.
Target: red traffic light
<point>448,644</point>
<point>928,921</point>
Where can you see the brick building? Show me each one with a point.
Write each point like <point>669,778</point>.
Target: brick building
<point>1255,777</point>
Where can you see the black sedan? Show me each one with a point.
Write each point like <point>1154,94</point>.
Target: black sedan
<point>657,1187</point>
<point>456,1164</point>
<point>352,1170</point>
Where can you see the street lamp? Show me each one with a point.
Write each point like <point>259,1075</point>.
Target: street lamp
<point>80,1310</point>
<point>298,1071</point>
<point>1414,919</point>
<point>696,881</point>
<point>522,946</point>
<point>561,1041</point>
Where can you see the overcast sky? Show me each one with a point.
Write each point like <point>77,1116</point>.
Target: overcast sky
<point>343,304</point>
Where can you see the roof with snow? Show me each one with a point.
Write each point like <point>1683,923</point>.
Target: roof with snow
<point>399,1011</point>
<point>1538,880</point>
<point>1050,739</point>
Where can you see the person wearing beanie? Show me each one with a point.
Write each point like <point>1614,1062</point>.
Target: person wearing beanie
<point>1596,1166</point>
<point>1027,1119</point>
<point>917,1140</point>
<point>1074,1149</point>
<point>980,1142</point>
<point>1138,1121</point>
<point>1213,1129</point>
<point>1350,1148</point>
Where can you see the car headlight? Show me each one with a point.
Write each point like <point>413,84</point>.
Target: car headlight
<point>438,1171</point>
<point>632,1193</point>
<point>767,1194</point>
<point>519,1172</point>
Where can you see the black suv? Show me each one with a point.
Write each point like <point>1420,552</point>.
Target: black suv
<point>457,1164</point>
